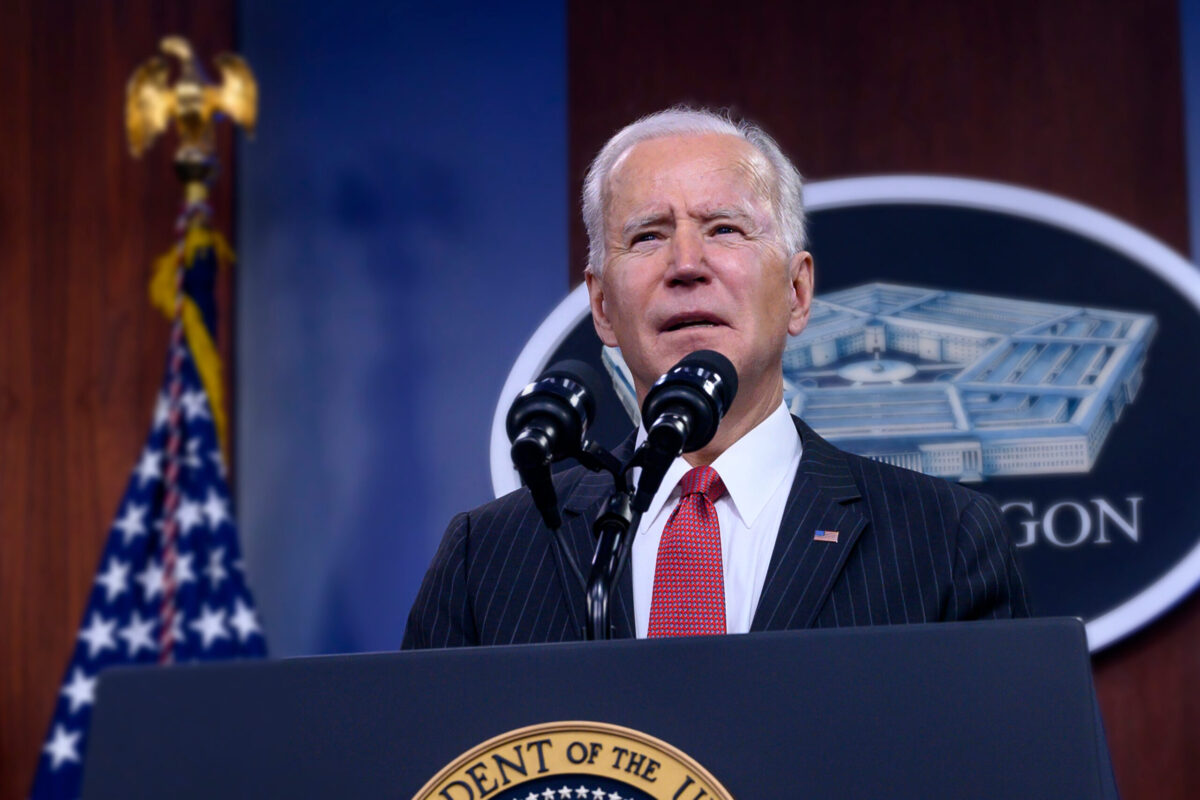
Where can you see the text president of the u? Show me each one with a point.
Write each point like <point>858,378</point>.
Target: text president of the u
<point>696,241</point>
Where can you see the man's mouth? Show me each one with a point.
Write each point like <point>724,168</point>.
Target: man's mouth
<point>680,322</point>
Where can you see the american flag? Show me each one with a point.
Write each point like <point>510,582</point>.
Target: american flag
<point>826,536</point>
<point>214,612</point>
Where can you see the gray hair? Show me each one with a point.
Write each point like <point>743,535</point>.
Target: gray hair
<point>787,198</point>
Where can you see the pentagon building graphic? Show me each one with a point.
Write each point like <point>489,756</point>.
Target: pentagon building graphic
<point>964,386</point>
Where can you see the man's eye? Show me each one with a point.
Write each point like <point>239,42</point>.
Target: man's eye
<point>648,236</point>
<point>719,230</point>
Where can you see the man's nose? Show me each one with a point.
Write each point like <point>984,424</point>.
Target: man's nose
<point>688,261</point>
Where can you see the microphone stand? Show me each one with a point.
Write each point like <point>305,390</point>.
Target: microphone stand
<point>610,530</point>
<point>614,530</point>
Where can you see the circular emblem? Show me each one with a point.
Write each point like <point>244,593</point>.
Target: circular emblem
<point>573,761</point>
<point>1034,347</point>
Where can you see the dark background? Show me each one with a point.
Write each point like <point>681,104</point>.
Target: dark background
<point>1149,451</point>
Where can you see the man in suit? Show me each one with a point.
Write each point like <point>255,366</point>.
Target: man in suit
<point>696,241</point>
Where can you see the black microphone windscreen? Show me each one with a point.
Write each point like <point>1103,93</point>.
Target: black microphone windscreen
<point>715,362</point>
<point>581,373</point>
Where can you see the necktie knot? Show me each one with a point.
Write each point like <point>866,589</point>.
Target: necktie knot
<point>702,480</point>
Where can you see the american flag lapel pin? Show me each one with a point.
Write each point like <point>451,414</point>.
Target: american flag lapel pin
<point>826,536</point>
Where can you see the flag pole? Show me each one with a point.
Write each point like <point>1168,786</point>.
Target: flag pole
<point>193,103</point>
<point>172,559</point>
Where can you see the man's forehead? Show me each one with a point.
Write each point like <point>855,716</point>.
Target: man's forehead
<point>662,153</point>
<point>647,164</point>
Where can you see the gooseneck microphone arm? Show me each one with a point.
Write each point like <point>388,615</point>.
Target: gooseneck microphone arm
<point>530,455</point>
<point>681,414</point>
<point>548,422</point>
<point>612,531</point>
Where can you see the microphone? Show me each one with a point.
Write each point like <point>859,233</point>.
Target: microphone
<point>546,423</point>
<point>681,413</point>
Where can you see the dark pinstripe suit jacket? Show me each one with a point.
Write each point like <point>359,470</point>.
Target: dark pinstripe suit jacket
<point>911,548</point>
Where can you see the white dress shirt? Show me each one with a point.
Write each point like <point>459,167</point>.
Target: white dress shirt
<point>757,471</point>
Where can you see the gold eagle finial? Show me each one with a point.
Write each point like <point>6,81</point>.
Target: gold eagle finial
<point>193,102</point>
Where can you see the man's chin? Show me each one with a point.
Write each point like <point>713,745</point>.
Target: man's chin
<point>681,343</point>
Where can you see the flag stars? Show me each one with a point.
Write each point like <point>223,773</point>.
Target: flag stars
<point>216,510</point>
<point>80,690</point>
<point>177,635</point>
<point>99,635</point>
<point>614,796</point>
<point>62,747</point>
<point>151,579</point>
<point>548,794</point>
<point>114,579</point>
<point>149,467</point>
<point>215,571</point>
<point>597,794</point>
<point>244,620</point>
<point>183,570</point>
<point>191,459</point>
<point>132,523</point>
<point>188,515</point>
<point>219,459</point>
<point>212,615</point>
<point>195,404</point>
<point>564,792</point>
<point>581,792</point>
<point>210,626</point>
<point>137,635</point>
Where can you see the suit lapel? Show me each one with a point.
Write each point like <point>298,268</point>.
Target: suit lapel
<point>803,570</point>
<point>580,509</point>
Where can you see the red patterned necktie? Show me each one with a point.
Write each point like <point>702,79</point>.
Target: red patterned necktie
<point>689,584</point>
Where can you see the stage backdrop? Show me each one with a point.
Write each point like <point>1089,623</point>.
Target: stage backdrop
<point>404,226</point>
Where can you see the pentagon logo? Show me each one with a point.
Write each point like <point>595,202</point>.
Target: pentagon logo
<point>981,332</point>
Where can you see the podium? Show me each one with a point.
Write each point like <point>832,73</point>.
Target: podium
<point>955,710</point>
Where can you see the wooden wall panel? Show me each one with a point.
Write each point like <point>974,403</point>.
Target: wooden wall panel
<point>81,350</point>
<point>1083,99</point>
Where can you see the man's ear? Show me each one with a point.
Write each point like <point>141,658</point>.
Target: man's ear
<point>600,320</point>
<point>800,270</point>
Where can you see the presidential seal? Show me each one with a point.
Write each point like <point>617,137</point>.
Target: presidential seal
<point>573,761</point>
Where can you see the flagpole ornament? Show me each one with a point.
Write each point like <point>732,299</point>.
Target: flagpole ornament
<point>193,103</point>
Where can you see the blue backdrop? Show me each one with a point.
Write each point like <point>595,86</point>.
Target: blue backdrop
<point>402,230</point>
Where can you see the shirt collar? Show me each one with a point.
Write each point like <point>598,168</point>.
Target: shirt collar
<point>751,468</point>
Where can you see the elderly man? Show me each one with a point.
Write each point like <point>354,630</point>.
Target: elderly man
<point>696,241</point>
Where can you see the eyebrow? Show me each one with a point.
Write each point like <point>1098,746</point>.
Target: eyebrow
<point>648,220</point>
<point>704,215</point>
<point>731,212</point>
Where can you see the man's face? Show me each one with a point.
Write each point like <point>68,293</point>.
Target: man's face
<point>694,261</point>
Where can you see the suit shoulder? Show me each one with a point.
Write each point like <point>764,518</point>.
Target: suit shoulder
<point>520,500</point>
